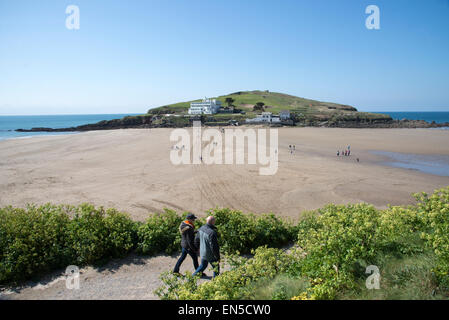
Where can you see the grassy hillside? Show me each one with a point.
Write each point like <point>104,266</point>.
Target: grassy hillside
<point>275,102</point>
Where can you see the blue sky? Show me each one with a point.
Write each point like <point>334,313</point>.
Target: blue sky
<point>128,56</point>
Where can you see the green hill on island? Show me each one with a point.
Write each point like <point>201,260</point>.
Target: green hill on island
<point>242,105</point>
<point>302,109</point>
<point>275,102</point>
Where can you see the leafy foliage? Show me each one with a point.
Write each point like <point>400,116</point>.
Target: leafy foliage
<point>234,284</point>
<point>435,213</point>
<point>95,234</point>
<point>39,239</point>
<point>341,241</point>
<point>160,233</point>
<point>240,232</point>
<point>335,245</point>
<point>32,240</point>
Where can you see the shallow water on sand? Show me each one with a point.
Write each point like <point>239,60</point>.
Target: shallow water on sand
<point>433,164</point>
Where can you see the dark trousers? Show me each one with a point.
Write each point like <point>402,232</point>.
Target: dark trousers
<point>182,258</point>
<point>203,266</point>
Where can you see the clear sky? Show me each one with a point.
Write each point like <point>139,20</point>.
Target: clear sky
<point>128,56</point>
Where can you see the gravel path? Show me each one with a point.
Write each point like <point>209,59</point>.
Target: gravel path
<point>133,277</point>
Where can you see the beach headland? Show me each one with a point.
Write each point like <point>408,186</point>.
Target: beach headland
<point>131,171</point>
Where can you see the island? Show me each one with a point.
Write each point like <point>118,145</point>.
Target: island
<point>253,107</point>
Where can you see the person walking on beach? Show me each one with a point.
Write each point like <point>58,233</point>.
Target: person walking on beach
<point>207,240</point>
<point>187,229</point>
<point>338,153</point>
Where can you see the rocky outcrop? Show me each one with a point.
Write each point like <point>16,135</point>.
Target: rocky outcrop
<point>124,123</point>
<point>150,121</point>
<point>404,123</point>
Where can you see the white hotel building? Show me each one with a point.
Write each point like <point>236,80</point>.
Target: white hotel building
<point>207,106</point>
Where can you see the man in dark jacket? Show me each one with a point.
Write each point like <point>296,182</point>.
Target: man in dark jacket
<point>187,229</point>
<point>207,240</point>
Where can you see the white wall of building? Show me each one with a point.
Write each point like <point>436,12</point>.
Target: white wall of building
<point>207,106</point>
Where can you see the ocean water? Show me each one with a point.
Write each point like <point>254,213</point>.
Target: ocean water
<point>438,117</point>
<point>9,123</point>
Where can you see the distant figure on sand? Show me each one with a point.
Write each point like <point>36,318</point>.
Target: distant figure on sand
<point>207,240</point>
<point>358,160</point>
<point>187,229</point>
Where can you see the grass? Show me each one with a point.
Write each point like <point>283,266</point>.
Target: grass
<point>402,278</point>
<point>282,287</point>
<point>275,102</point>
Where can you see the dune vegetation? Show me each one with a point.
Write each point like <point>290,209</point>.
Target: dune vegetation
<point>323,256</point>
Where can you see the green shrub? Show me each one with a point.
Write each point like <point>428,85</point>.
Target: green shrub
<point>95,235</point>
<point>341,241</point>
<point>32,240</point>
<point>40,239</point>
<point>240,232</point>
<point>435,212</point>
<point>335,244</point>
<point>160,233</point>
<point>230,285</point>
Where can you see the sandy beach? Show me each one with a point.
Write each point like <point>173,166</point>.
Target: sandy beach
<point>131,170</point>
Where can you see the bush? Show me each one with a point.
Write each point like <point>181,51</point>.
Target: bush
<point>95,235</point>
<point>32,240</point>
<point>160,233</point>
<point>230,285</point>
<point>341,241</point>
<point>435,212</point>
<point>240,232</point>
<point>40,239</point>
<point>334,246</point>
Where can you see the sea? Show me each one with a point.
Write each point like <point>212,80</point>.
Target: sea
<point>10,123</point>
<point>438,117</point>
